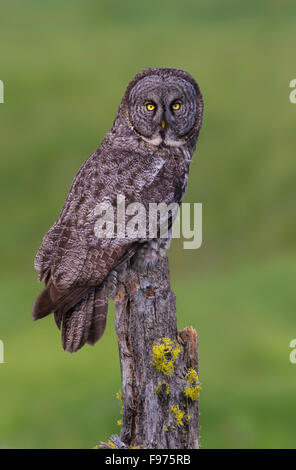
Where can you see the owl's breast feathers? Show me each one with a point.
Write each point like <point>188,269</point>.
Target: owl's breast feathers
<point>72,261</point>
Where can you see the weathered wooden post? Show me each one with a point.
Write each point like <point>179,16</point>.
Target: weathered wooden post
<point>159,364</point>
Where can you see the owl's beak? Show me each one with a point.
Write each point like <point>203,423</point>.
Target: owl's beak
<point>163,124</point>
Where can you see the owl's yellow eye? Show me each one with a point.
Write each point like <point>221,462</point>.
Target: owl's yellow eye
<point>176,106</point>
<point>150,106</point>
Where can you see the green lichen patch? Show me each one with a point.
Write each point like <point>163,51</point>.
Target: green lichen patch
<point>193,388</point>
<point>164,355</point>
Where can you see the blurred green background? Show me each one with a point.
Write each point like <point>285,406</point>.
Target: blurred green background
<point>65,66</point>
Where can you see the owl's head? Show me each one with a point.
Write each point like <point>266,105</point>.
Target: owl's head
<point>164,106</point>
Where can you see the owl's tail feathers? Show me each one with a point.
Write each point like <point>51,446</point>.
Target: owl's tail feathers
<point>46,301</point>
<point>51,299</point>
<point>82,312</point>
<point>86,321</point>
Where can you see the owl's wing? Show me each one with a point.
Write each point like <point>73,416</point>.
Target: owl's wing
<point>71,254</point>
<point>74,263</point>
<point>73,257</point>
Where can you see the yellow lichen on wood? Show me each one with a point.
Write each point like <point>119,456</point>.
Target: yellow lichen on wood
<point>192,390</point>
<point>159,388</point>
<point>111,444</point>
<point>164,355</point>
<point>178,414</point>
<point>120,399</point>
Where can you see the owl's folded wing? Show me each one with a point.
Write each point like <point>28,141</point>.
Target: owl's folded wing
<point>74,258</point>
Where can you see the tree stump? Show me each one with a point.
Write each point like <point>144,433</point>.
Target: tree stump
<point>159,364</point>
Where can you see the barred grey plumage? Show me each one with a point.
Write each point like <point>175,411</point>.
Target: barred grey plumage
<point>145,156</point>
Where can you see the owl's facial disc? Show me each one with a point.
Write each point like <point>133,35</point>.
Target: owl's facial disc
<point>163,110</point>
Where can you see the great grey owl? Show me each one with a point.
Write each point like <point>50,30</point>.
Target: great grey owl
<point>145,157</point>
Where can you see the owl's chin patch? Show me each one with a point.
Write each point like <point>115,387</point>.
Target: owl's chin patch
<point>167,141</point>
<point>173,142</point>
<point>156,140</point>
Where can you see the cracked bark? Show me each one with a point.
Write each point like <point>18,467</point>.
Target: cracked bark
<point>145,314</point>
